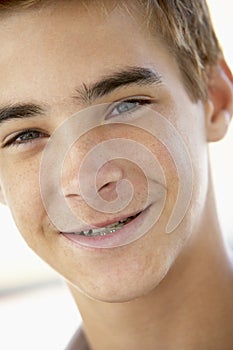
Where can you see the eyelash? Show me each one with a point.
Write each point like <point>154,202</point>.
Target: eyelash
<point>140,101</point>
<point>14,142</point>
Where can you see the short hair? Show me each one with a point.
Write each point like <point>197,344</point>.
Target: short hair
<point>184,25</point>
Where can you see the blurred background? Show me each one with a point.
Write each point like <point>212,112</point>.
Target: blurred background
<point>36,309</point>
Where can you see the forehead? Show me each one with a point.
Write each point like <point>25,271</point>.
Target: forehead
<point>47,52</point>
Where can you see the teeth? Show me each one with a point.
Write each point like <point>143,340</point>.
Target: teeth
<point>103,231</point>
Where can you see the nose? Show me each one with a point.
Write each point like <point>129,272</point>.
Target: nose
<point>83,178</point>
<point>107,179</point>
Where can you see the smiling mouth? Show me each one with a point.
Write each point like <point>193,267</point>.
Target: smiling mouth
<point>104,231</point>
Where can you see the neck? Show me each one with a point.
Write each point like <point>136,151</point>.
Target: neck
<point>183,311</point>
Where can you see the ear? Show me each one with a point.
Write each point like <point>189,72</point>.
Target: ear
<point>219,106</point>
<point>2,198</point>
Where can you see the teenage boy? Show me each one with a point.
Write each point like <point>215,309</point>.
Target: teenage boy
<point>151,78</point>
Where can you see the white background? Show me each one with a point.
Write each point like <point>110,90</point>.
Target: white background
<point>46,313</point>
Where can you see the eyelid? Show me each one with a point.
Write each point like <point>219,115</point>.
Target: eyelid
<point>11,139</point>
<point>139,98</point>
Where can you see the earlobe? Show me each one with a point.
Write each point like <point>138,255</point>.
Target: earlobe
<point>219,106</point>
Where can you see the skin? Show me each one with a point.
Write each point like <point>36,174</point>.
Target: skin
<point>184,298</point>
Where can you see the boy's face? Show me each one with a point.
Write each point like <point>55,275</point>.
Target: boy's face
<point>47,55</point>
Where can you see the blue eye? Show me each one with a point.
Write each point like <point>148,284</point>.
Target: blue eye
<point>128,106</point>
<point>25,137</point>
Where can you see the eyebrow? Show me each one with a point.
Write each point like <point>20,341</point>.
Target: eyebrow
<point>123,78</point>
<point>19,111</point>
<point>86,94</point>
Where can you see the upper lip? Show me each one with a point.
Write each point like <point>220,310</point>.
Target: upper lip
<point>105,223</point>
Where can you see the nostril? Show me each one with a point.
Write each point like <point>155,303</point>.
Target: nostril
<point>108,191</point>
<point>108,175</point>
<point>106,185</point>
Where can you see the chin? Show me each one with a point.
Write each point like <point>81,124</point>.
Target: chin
<point>135,272</point>
<point>122,289</point>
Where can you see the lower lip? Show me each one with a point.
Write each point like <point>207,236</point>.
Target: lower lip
<point>127,234</point>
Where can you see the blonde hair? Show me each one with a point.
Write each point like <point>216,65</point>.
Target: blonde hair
<point>184,25</point>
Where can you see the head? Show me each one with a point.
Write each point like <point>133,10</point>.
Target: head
<point>184,27</point>
<point>161,54</point>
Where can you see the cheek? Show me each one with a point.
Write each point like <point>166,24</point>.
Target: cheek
<point>22,193</point>
<point>167,162</point>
